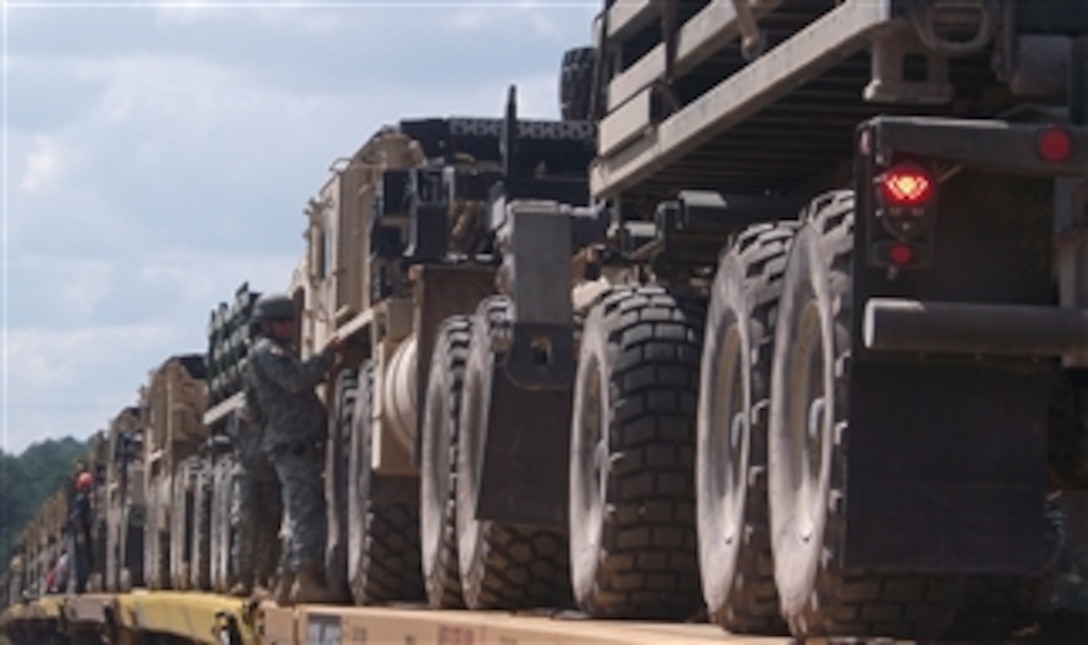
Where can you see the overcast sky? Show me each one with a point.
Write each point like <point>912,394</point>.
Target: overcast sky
<point>159,154</point>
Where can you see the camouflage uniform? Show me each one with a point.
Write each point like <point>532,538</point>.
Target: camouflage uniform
<point>293,422</point>
<point>255,505</point>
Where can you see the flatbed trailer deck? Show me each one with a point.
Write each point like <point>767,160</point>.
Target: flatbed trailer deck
<point>214,619</point>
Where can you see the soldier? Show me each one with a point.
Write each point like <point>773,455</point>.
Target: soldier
<point>255,509</point>
<point>79,527</point>
<point>293,422</point>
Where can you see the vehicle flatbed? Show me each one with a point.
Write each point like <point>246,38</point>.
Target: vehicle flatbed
<point>203,617</point>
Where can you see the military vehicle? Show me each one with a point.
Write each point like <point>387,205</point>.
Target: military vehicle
<point>784,323</point>
<point>172,405</point>
<point>882,202</point>
<point>125,505</point>
<point>817,240</point>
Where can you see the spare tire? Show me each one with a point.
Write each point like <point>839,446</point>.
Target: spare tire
<point>576,84</point>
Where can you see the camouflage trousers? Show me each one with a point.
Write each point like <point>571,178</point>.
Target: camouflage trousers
<point>304,504</point>
<point>255,515</point>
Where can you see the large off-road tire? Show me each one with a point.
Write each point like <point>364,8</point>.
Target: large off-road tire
<point>438,466</point>
<point>735,562</point>
<point>503,566</point>
<point>383,526</point>
<point>200,574</point>
<point>240,531</point>
<point>132,544</point>
<point>337,463</point>
<point>157,533</point>
<point>223,530</point>
<point>808,440</point>
<point>181,518</point>
<point>632,498</point>
<point>113,547</point>
<point>215,568</point>
<point>576,83</point>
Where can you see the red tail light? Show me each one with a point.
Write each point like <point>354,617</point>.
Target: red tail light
<point>901,254</point>
<point>906,185</point>
<point>904,212</point>
<point>1054,144</point>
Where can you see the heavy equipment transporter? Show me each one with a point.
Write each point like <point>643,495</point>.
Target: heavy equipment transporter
<point>783,325</point>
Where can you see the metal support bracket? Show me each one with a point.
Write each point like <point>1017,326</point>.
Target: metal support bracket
<point>893,47</point>
<point>894,324</point>
<point>689,232</point>
<point>753,40</point>
<point>536,266</point>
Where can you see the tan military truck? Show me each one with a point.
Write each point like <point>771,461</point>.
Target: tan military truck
<point>125,502</point>
<point>836,354</point>
<point>400,252</point>
<point>172,405</point>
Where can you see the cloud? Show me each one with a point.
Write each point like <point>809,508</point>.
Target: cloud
<point>545,20</point>
<point>188,11</point>
<point>469,18</point>
<point>197,280</point>
<point>43,166</point>
<point>159,158</point>
<point>71,288</point>
<point>151,285</point>
<point>70,382</point>
<point>43,358</point>
<point>155,115</point>
<point>66,379</point>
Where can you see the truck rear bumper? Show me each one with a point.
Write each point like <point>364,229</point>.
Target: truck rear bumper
<point>904,325</point>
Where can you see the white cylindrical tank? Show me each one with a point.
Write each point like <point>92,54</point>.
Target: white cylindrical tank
<point>399,393</point>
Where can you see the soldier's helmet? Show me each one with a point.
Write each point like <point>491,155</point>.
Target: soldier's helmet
<point>273,306</point>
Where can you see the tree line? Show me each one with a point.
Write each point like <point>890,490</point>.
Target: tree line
<point>27,480</point>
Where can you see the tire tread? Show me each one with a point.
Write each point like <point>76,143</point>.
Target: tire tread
<point>860,602</point>
<point>649,567</point>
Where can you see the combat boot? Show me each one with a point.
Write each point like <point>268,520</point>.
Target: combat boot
<point>310,588</point>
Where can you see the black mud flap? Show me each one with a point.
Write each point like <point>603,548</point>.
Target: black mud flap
<point>527,450</point>
<point>946,468</point>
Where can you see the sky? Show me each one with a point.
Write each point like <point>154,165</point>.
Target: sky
<point>158,154</point>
